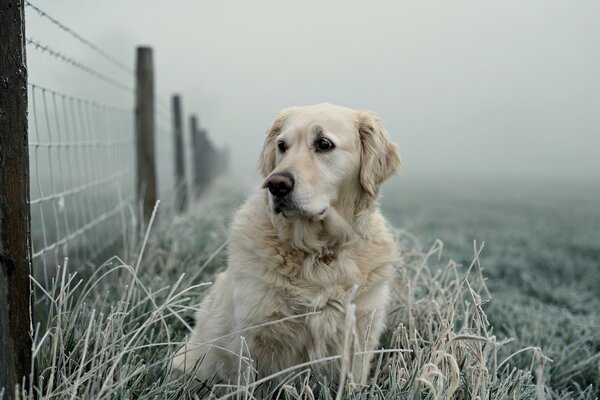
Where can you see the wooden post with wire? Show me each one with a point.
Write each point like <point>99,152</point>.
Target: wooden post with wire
<point>144,115</point>
<point>15,249</point>
<point>179,158</point>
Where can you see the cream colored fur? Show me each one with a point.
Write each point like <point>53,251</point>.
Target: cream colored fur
<point>303,260</point>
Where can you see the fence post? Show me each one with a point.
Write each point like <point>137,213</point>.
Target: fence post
<point>196,156</point>
<point>179,157</point>
<point>15,249</point>
<point>144,114</point>
<point>208,158</point>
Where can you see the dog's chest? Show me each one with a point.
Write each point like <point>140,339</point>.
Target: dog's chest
<point>315,282</point>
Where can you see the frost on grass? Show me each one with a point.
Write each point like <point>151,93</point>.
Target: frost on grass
<point>113,334</point>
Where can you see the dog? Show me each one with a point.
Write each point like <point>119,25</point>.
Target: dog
<point>307,243</point>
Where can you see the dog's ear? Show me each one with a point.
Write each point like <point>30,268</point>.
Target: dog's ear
<point>380,158</point>
<point>266,163</point>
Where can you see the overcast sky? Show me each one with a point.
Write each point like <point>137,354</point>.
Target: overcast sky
<point>503,89</point>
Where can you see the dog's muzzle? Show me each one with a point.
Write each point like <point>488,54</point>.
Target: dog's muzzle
<point>281,187</point>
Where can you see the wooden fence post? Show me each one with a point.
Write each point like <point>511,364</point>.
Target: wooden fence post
<point>208,158</point>
<point>15,249</point>
<point>179,157</point>
<point>144,114</point>
<point>196,156</point>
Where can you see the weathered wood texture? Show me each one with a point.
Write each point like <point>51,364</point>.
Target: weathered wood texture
<point>15,250</point>
<point>179,157</point>
<point>144,112</point>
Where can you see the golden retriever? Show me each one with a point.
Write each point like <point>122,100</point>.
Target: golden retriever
<point>311,235</point>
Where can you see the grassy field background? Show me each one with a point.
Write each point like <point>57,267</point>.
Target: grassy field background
<point>110,331</point>
<point>541,259</point>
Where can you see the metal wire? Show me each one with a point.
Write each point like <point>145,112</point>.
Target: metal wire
<point>81,39</point>
<point>82,169</point>
<point>57,54</point>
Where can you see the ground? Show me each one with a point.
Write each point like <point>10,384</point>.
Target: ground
<point>113,328</point>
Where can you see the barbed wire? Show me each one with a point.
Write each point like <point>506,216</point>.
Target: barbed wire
<point>57,54</point>
<point>81,39</point>
<point>161,102</point>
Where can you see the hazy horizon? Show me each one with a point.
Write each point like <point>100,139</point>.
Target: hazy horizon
<point>507,90</point>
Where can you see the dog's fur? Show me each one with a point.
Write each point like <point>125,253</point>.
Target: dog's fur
<point>305,254</point>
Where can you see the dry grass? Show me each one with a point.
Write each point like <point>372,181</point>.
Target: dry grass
<point>113,333</point>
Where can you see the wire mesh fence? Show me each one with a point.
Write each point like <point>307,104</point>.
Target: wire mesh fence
<point>82,155</point>
<point>82,177</point>
<point>81,151</point>
<point>81,163</point>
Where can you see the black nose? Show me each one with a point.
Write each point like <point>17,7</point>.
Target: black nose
<point>281,184</point>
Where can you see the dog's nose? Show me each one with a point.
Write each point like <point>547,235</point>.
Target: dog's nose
<point>281,184</point>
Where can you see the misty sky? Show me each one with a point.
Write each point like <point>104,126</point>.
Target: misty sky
<point>509,89</point>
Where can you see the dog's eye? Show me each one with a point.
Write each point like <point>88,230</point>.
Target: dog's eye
<point>323,144</point>
<point>281,146</point>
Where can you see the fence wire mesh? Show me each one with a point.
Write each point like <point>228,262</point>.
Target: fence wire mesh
<point>82,152</point>
<point>82,171</point>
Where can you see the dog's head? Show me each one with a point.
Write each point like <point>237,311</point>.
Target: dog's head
<point>322,156</point>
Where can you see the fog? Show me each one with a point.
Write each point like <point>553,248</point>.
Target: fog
<point>505,90</point>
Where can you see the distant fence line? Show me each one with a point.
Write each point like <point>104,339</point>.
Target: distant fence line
<point>80,178</point>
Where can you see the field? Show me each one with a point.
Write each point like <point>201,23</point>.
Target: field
<point>541,260</point>
<point>109,332</point>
